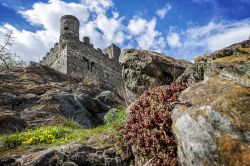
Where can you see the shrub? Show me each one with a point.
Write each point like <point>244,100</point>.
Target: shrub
<point>148,127</point>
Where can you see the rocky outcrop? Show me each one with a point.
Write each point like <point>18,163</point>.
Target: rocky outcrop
<point>192,74</point>
<point>66,155</point>
<point>143,70</point>
<point>38,95</point>
<point>209,62</point>
<point>215,129</point>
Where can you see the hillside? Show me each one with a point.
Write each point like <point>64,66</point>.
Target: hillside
<point>177,113</point>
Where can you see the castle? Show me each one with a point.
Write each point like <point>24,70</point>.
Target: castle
<point>79,58</point>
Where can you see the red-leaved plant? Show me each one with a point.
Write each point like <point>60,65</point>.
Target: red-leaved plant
<point>148,126</point>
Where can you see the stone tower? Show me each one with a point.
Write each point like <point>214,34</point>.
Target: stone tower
<point>69,30</point>
<point>113,52</point>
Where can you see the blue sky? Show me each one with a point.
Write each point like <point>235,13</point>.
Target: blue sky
<point>181,29</point>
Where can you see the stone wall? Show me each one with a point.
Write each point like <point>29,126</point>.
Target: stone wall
<point>81,59</point>
<point>92,64</point>
<point>51,56</point>
<point>113,52</point>
<point>56,59</point>
<point>60,63</point>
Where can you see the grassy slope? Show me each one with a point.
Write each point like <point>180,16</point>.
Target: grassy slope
<point>69,132</point>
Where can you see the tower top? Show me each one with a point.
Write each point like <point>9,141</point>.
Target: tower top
<point>69,31</point>
<point>69,17</point>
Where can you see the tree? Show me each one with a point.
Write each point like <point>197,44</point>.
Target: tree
<point>8,59</point>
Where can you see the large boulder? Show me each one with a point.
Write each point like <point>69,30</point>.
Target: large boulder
<point>215,129</point>
<point>37,95</point>
<point>143,70</point>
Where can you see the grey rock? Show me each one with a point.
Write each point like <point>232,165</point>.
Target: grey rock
<point>8,99</point>
<point>214,130</point>
<point>215,125</point>
<point>197,138</point>
<point>192,74</point>
<point>109,152</point>
<point>7,161</point>
<point>71,108</point>
<point>106,99</point>
<point>65,155</point>
<point>11,121</point>
<point>219,63</point>
<point>46,157</point>
<point>238,72</point>
<point>69,163</point>
<point>143,70</point>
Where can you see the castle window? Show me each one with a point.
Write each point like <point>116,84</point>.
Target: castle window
<point>88,65</point>
<point>92,64</point>
<point>66,28</point>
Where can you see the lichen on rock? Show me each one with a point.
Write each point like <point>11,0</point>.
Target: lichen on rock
<point>215,129</point>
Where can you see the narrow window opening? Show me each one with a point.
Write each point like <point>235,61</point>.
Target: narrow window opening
<point>88,65</point>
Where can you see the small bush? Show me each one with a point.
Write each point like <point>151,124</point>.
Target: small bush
<point>148,127</point>
<point>41,135</point>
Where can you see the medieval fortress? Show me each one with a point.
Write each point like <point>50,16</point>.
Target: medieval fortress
<point>79,58</point>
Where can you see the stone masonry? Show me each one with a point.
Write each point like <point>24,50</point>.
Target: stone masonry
<point>79,58</point>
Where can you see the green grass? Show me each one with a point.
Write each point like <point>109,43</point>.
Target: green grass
<point>70,131</point>
<point>71,123</point>
<point>115,116</point>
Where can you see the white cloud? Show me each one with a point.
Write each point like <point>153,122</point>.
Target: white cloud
<point>98,6</point>
<point>214,36</point>
<point>111,28</point>
<point>232,35</point>
<point>146,35</point>
<point>104,30</point>
<point>48,14</point>
<point>173,40</point>
<point>162,12</point>
<point>29,45</point>
<point>211,37</point>
<point>137,25</point>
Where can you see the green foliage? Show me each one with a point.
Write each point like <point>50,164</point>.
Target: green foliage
<point>115,116</point>
<point>71,123</point>
<point>41,135</point>
<point>97,135</point>
<point>103,135</point>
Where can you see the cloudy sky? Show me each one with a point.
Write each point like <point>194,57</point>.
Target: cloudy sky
<point>178,28</point>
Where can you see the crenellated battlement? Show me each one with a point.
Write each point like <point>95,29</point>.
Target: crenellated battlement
<point>51,56</point>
